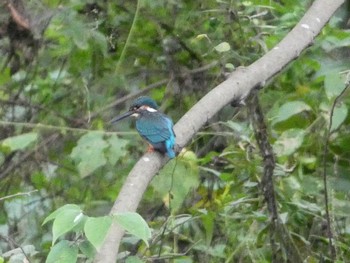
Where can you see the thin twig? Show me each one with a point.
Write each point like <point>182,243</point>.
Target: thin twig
<point>14,244</point>
<point>26,155</point>
<point>131,33</point>
<point>87,101</point>
<point>18,194</point>
<point>128,97</point>
<point>41,126</point>
<point>148,88</point>
<point>36,107</point>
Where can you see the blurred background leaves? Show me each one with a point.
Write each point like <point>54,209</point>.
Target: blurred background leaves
<point>62,65</point>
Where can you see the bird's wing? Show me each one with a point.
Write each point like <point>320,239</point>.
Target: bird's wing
<point>157,129</point>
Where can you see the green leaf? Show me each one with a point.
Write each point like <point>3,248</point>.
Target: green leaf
<point>134,224</point>
<point>63,252</point>
<point>20,142</point>
<point>54,214</point>
<point>89,153</point>
<point>290,109</point>
<point>339,115</point>
<point>96,229</point>
<point>186,174</point>
<point>65,219</point>
<point>116,150</point>
<point>229,66</point>
<point>333,84</point>
<point>289,142</point>
<point>222,47</point>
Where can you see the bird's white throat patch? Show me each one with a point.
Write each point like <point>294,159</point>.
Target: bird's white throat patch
<point>147,108</point>
<point>151,109</point>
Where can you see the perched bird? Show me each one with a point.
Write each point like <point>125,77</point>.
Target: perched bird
<point>155,127</point>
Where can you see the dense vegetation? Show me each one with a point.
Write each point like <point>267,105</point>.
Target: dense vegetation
<point>69,66</point>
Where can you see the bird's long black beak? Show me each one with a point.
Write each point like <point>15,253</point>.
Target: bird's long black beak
<point>122,116</point>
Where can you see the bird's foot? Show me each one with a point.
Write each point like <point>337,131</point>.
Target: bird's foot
<point>150,149</point>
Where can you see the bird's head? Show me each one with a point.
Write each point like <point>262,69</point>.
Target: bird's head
<point>143,103</point>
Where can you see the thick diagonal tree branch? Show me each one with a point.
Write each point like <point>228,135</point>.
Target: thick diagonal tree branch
<point>236,88</point>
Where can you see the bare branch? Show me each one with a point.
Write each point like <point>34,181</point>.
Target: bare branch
<point>236,88</point>
<point>18,194</point>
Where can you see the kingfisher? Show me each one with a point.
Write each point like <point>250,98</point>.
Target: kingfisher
<point>155,127</point>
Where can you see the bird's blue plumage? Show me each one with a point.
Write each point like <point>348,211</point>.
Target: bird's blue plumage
<point>157,129</point>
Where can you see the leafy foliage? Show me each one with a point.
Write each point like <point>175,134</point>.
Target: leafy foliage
<point>70,218</point>
<point>67,74</point>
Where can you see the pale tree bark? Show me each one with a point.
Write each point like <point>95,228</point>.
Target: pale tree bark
<point>236,88</point>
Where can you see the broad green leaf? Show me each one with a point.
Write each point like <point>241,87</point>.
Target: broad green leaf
<point>339,115</point>
<point>65,221</point>
<point>179,182</point>
<point>333,84</point>
<point>116,149</point>
<point>222,47</point>
<point>54,214</point>
<point>289,142</point>
<point>290,109</point>
<point>89,153</point>
<point>20,142</point>
<point>134,224</point>
<point>96,229</point>
<point>63,252</point>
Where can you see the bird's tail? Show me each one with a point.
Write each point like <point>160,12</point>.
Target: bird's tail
<point>170,152</point>
<point>169,146</point>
